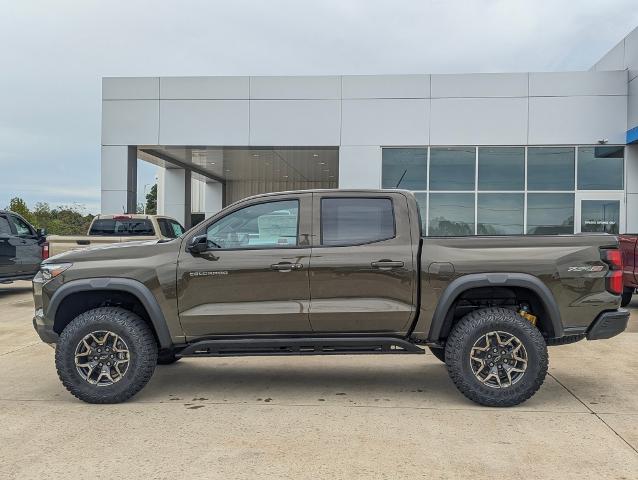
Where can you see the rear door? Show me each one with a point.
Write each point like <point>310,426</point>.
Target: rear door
<point>362,270</point>
<point>254,276</point>
<point>27,244</point>
<point>8,266</point>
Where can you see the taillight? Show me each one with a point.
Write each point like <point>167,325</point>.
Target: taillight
<point>613,281</point>
<point>45,250</point>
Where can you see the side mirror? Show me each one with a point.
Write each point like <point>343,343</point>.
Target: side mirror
<point>41,232</point>
<point>198,244</point>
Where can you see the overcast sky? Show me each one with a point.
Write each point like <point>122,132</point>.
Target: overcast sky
<point>53,55</point>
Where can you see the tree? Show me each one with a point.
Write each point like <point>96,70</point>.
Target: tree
<point>19,206</point>
<point>151,201</point>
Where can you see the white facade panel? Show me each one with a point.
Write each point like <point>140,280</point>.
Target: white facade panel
<point>114,167</point>
<point>130,122</point>
<point>113,201</point>
<point>480,85</point>
<point>294,122</point>
<point>171,190</point>
<point>631,53</point>
<point>559,84</point>
<point>130,88</point>
<point>613,60</point>
<point>385,122</point>
<point>632,208</point>
<point>204,88</point>
<point>385,86</point>
<point>281,88</point>
<point>632,105</point>
<point>577,120</point>
<point>360,167</point>
<point>631,172</point>
<point>204,122</point>
<point>478,121</point>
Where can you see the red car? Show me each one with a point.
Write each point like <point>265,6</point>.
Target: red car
<point>629,248</point>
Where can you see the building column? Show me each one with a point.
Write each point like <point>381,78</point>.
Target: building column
<point>119,179</point>
<point>359,167</point>
<point>631,187</point>
<point>174,194</point>
<point>213,198</point>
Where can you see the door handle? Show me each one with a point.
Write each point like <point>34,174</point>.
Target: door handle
<point>386,264</point>
<point>286,266</point>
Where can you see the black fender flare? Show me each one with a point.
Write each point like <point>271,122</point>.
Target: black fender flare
<point>138,289</point>
<point>476,280</point>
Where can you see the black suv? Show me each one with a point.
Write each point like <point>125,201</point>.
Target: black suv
<point>22,248</point>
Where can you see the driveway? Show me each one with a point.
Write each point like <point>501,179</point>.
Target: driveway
<point>316,417</point>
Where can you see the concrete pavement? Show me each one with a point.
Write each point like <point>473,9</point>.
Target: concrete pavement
<point>315,417</point>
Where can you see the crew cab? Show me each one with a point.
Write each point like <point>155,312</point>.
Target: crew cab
<point>22,248</point>
<point>328,272</point>
<point>107,229</point>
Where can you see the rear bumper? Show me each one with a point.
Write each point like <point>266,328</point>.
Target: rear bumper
<point>608,324</point>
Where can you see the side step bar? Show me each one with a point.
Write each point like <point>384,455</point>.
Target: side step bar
<point>298,346</point>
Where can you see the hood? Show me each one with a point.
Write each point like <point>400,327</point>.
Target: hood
<point>122,250</point>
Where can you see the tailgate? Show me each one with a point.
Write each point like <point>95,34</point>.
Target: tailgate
<point>60,244</point>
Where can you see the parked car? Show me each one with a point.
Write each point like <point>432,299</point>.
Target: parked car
<point>107,229</point>
<point>22,248</point>
<point>328,272</point>
<point>629,248</point>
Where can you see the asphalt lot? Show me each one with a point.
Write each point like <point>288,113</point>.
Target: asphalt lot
<point>316,417</point>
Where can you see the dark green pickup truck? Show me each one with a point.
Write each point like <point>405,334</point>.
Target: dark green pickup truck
<point>327,272</point>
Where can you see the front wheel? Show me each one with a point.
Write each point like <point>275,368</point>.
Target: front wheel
<point>626,296</point>
<point>106,355</point>
<point>496,358</point>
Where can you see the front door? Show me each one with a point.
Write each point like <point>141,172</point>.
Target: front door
<point>362,271</point>
<point>254,276</point>
<point>27,246</point>
<point>600,212</point>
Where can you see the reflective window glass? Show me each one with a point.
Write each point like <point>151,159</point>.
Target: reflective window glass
<point>501,168</point>
<point>422,200</point>
<point>452,168</point>
<point>600,216</point>
<point>550,213</point>
<point>405,168</point>
<point>500,213</point>
<point>600,168</point>
<point>451,214</point>
<point>550,168</point>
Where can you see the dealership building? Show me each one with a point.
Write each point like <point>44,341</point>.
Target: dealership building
<point>497,153</point>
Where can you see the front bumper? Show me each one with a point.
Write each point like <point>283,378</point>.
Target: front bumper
<point>608,324</point>
<point>44,329</point>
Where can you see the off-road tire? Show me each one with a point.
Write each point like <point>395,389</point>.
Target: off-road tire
<point>139,339</point>
<point>438,353</point>
<point>478,323</point>
<point>166,357</point>
<point>626,296</point>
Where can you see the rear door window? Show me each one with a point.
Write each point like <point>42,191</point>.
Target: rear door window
<point>356,221</point>
<point>133,227</point>
<point>5,228</point>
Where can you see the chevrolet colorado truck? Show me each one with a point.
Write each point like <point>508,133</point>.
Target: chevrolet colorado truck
<point>107,229</point>
<point>327,272</point>
<point>629,250</point>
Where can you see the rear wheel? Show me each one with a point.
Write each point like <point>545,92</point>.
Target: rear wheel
<point>106,355</point>
<point>496,358</point>
<point>438,353</point>
<point>626,296</point>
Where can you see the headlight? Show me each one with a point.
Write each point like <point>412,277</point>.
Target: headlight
<point>52,270</point>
